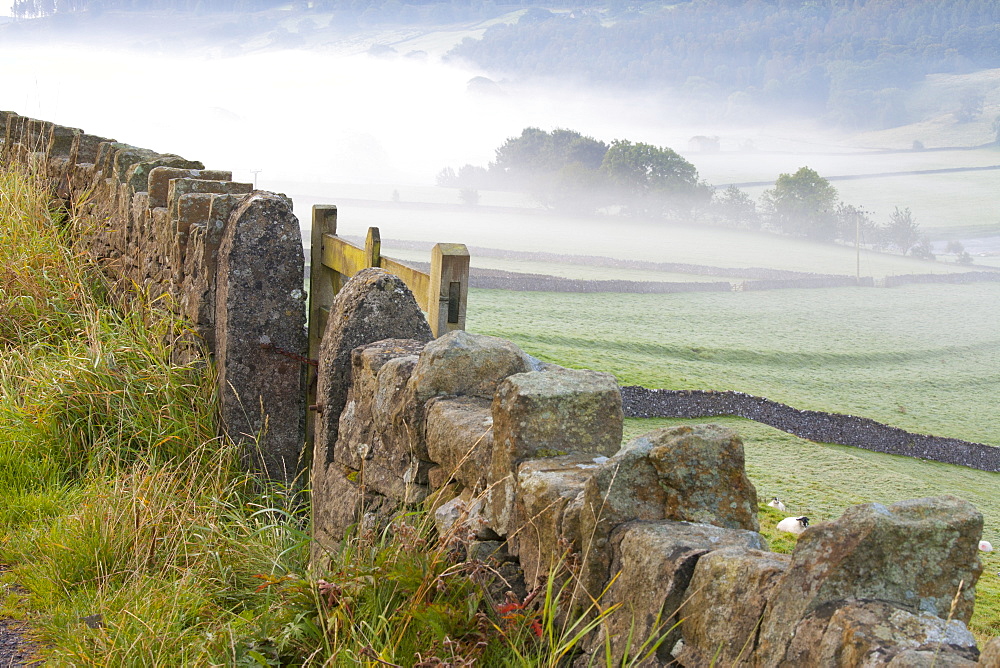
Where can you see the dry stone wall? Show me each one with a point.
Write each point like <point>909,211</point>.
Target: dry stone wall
<point>522,463</point>
<point>226,259</point>
<point>818,426</point>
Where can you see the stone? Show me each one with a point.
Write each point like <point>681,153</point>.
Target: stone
<point>667,474</point>
<point>137,176</point>
<point>876,633</point>
<point>462,518</point>
<point>178,188</point>
<point>385,457</point>
<point>158,182</point>
<point>88,147</point>
<point>549,413</point>
<point>396,414</point>
<point>346,504</point>
<point>260,313</point>
<point>373,305</point>
<point>546,518</point>
<point>201,261</point>
<point>727,596</point>
<point>989,657</point>
<point>461,363</point>
<point>62,140</point>
<point>919,555</point>
<point>459,438</point>
<point>655,562</point>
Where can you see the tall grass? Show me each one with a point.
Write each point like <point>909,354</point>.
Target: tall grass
<point>133,529</point>
<point>135,539</point>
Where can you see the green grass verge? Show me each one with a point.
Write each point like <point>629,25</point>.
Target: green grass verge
<point>130,536</point>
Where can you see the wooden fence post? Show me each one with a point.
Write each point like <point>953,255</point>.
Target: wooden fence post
<point>373,248</point>
<point>324,283</point>
<point>449,288</point>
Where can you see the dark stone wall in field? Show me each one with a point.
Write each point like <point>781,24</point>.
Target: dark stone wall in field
<point>813,425</point>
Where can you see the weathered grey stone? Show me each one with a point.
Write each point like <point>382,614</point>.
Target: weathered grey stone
<point>462,518</point>
<point>556,412</point>
<point>177,188</point>
<point>666,474</point>
<point>158,182</point>
<point>914,554</point>
<point>137,176</point>
<point>61,141</point>
<point>466,364</point>
<point>387,461</point>
<point>876,633</point>
<point>126,156</point>
<point>359,427</point>
<point>726,600</point>
<point>396,414</point>
<point>549,413</point>
<point>546,519</point>
<point>260,310</point>
<point>88,147</point>
<point>989,656</point>
<point>656,561</point>
<point>346,504</point>
<point>459,437</point>
<point>372,306</point>
<point>201,260</point>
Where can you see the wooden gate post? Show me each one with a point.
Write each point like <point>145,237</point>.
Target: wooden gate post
<point>324,283</point>
<point>449,289</point>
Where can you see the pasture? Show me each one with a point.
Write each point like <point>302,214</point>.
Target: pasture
<point>922,358</point>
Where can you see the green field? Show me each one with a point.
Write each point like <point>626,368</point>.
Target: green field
<point>922,358</point>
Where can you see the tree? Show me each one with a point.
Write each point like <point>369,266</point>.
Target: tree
<point>736,209</point>
<point>649,179</point>
<point>559,168</point>
<point>902,232</point>
<point>855,223</point>
<point>996,130</point>
<point>469,196</point>
<point>923,249</point>
<point>538,152</point>
<point>802,204</point>
<point>447,178</point>
<point>970,107</point>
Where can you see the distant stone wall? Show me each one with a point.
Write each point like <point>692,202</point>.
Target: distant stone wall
<point>808,282</point>
<point>965,277</point>
<point>813,425</point>
<point>521,464</point>
<point>226,258</point>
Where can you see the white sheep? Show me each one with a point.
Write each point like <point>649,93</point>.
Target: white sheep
<point>985,546</point>
<point>775,503</point>
<point>793,524</point>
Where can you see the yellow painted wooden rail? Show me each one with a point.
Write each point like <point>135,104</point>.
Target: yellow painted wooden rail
<point>442,294</point>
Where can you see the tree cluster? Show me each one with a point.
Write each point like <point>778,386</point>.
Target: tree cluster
<point>849,60</point>
<point>568,171</point>
<point>804,204</point>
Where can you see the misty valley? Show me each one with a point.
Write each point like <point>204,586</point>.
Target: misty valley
<point>756,146</point>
